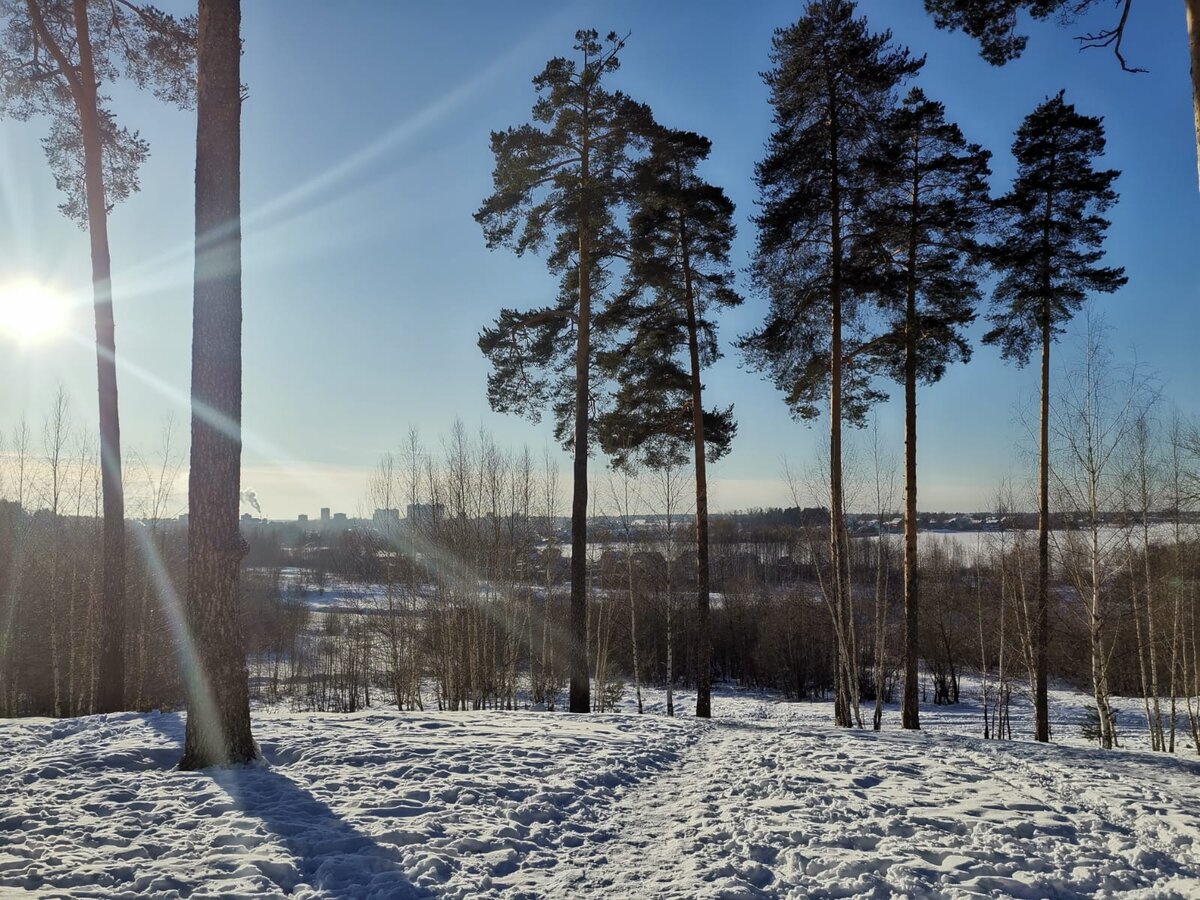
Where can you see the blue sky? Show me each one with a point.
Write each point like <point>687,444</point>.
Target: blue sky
<point>367,281</point>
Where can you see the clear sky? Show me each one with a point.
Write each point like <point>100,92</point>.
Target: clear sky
<point>365,152</point>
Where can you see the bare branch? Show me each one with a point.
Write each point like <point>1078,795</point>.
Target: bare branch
<point>1112,37</point>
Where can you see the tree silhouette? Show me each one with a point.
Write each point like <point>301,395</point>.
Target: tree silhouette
<point>1048,251</point>
<point>928,242</point>
<point>833,87</point>
<point>55,56</point>
<point>680,234</point>
<point>558,183</point>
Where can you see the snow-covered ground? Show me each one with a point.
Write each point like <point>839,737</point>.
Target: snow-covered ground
<point>336,595</point>
<point>765,800</point>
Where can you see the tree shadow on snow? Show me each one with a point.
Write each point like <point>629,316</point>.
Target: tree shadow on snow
<point>328,853</point>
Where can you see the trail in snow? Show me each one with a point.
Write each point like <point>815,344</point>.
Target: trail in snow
<point>766,800</point>
<point>760,809</point>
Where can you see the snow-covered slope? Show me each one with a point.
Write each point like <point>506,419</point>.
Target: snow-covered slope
<point>766,800</point>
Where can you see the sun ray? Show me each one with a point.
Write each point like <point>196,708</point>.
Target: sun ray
<point>145,278</point>
<point>299,470</point>
<point>203,705</point>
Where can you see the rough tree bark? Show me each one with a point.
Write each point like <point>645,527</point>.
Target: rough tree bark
<point>580,693</point>
<point>110,694</point>
<point>1041,701</point>
<point>110,688</point>
<point>836,501</point>
<point>910,712</point>
<point>703,636</point>
<point>218,721</point>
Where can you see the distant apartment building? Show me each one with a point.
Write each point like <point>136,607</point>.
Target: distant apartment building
<point>386,519</point>
<point>302,518</point>
<point>425,514</point>
<point>339,518</point>
<point>324,513</point>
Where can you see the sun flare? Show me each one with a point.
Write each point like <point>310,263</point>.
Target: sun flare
<point>32,312</point>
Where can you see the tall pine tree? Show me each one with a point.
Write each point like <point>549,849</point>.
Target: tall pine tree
<point>559,182</point>
<point>218,719</point>
<point>55,58</point>
<point>680,235</point>
<point>928,242</point>
<point>833,87</point>
<point>1048,253</point>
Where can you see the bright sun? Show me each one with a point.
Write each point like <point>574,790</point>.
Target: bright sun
<point>31,312</point>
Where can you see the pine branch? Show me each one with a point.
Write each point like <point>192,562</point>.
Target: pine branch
<point>546,315</point>
<point>69,72</point>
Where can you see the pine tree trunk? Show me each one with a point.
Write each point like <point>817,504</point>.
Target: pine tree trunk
<point>836,500</point>
<point>1041,695</point>
<point>910,712</point>
<point>841,698</point>
<point>111,664</point>
<point>218,721</point>
<point>880,615</point>
<point>703,635</point>
<point>580,695</point>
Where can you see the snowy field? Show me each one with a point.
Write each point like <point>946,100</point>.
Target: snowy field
<point>337,594</point>
<point>765,800</point>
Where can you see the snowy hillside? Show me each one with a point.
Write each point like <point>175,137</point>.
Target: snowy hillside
<point>766,800</point>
